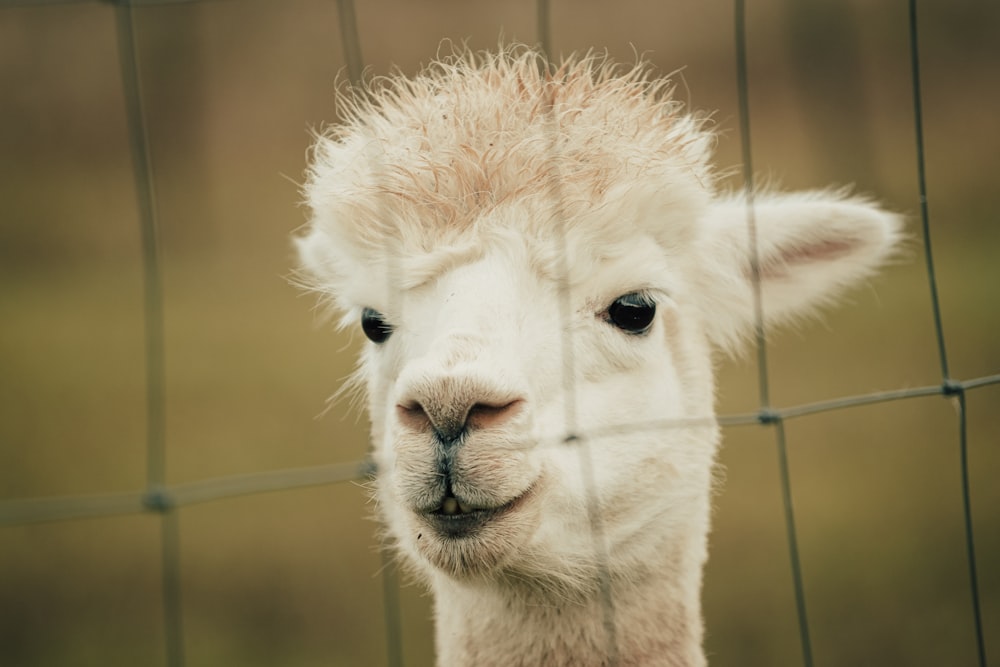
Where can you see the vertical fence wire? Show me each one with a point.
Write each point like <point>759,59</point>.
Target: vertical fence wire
<point>570,414</point>
<point>795,562</point>
<point>350,39</point>
<point>142,169</point>
<point>918,122</point>
<point>950,388</point>
<point>156,498</point>
<point>543,11</point>
<point>391,610</point>
<point>970,546</point>
<point>543,22</point>
<point>746,155</point>
<point>766,415</point>
<point>173,612</point>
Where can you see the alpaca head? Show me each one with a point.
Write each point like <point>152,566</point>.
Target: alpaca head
<point>544,269</point>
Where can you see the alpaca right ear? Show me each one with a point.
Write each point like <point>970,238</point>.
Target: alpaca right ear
<point>810,247</point>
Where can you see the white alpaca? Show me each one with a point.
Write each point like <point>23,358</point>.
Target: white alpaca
<point>545,270</point>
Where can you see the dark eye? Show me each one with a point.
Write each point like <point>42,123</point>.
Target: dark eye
<point>632,313</point>
<point>374,325</point>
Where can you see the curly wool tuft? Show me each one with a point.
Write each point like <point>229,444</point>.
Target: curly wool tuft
<point>420,160</point>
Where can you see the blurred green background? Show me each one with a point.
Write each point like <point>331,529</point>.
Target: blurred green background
<point>293,578</point>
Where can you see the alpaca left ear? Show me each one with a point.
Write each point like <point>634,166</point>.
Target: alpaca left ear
<point>810,247</point>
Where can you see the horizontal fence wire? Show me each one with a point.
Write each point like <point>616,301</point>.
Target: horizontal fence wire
<point>173,496</point>
<point>162,498</point>
<point>121,3</point>
<point>61,508</point>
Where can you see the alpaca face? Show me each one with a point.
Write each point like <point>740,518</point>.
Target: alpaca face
<point>492,381</point>
<point>544,269</point>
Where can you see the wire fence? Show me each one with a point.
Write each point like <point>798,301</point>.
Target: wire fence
<point>164,500</point>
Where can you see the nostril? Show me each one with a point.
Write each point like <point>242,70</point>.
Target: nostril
<point>413,415</point>
<point>447,422</point>
<point>484,415</point>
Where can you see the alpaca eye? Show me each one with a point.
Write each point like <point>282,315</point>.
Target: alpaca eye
<point>632,313</point>
<point>374,325</point>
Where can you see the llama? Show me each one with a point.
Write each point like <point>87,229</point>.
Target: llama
<point>546,271</point>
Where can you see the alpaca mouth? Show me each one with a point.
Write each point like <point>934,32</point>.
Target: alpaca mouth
<point>451,506</point>
<point>456,519</point>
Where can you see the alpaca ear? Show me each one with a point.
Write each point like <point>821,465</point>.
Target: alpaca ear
<point>810,247</point>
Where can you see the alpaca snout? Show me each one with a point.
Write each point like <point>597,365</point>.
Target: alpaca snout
<point>461,436</point>
<point>449,423</point>
<point>450,406</point>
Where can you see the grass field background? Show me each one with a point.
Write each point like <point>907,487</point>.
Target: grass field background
<point>292,578</point>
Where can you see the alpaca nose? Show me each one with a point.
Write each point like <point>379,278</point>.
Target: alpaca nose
<point>449,407</point>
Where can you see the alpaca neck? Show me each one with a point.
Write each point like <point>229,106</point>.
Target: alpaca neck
<point>654,619</point>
